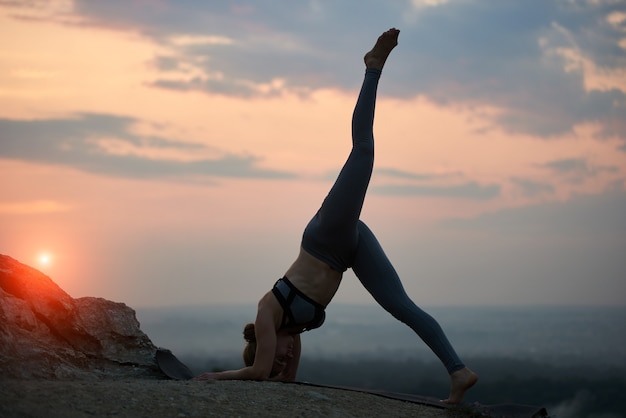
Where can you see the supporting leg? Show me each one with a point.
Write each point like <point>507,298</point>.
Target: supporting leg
<point>381,280</point>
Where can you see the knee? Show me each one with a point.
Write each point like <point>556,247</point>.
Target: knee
<point>409,313</point>
<point>364,146</point>
<point>403,309</point>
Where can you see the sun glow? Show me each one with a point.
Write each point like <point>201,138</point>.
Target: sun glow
<point>45,259</point>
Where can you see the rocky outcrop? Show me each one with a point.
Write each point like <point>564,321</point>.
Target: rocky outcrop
<point>45,333</point>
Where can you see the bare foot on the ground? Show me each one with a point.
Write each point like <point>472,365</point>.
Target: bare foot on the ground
<point>378,55</point>
<point>461,381</point>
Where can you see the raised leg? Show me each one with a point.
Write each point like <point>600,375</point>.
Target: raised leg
<point>331,235</point>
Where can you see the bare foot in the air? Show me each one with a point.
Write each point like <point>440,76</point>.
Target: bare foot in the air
<point>461,381</point>
<point>378,55</point>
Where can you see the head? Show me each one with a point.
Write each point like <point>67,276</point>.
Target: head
<point>284,349</point>
<point>249,351</point>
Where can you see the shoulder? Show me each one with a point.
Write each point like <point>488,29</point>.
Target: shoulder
<point>269,311</point>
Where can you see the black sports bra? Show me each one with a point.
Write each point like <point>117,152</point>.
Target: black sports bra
<point>299,310</point>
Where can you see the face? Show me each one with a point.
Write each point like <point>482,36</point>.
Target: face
<point>284,352</point>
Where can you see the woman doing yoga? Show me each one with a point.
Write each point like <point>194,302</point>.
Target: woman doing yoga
<point>333,241</point>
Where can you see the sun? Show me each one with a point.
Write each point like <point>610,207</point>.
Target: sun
<point>45,259</point>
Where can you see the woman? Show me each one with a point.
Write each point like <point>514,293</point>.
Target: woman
<point>333,241</point>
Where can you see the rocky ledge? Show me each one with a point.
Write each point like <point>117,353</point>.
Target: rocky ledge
<point>47,334</point>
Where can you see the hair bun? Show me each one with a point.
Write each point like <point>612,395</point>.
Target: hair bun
<point>249,333</point>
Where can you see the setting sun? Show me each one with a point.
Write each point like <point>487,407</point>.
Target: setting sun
<point>45,259</point>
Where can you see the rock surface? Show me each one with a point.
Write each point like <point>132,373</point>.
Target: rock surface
<point>168,398</point>
<point>45,333</point>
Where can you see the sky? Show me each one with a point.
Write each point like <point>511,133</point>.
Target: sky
<point>161,152</point>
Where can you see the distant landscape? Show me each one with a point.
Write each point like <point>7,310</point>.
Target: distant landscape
<point>571,360</point>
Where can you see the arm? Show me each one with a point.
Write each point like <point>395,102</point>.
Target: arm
<point>265,330</point>
<point>288,374</point>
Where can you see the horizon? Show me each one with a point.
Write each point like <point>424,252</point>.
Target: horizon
<point>171,153</point>
<point>351,304</point>
<point>372,303</point>
<point>558,336</point>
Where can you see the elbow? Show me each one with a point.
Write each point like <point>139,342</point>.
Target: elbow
<point>259,374</point>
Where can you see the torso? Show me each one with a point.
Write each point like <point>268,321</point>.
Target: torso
<point>312,277</point>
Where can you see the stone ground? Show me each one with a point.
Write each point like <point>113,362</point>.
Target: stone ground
<point>167,398</point>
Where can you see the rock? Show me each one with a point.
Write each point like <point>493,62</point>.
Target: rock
<point>45,333</point>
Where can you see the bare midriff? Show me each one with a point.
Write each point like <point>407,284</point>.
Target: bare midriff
<point>314,278</point>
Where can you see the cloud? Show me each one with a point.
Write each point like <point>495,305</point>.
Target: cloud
<point>392,172</point>
<point>105,144</point>
<point>501,54</point>
<point>547,66</point>
<point>33,207</point>
<point>38,9</point>
<point>467,190</point>
<point>531,188</point>
<point>470,190</point>
<point>568,165</point>
<point>581,216</point>
<point>577,169</point>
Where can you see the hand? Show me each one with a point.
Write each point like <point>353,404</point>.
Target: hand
<point>206,376</point>
<point>283,378</point>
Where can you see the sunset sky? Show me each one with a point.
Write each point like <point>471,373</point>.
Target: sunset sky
<point>163,152</point>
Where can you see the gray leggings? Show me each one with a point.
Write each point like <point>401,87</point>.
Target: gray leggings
<point>336,236</point>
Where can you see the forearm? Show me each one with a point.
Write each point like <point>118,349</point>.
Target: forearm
<point>247,373</point>
<point>290,372</point>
